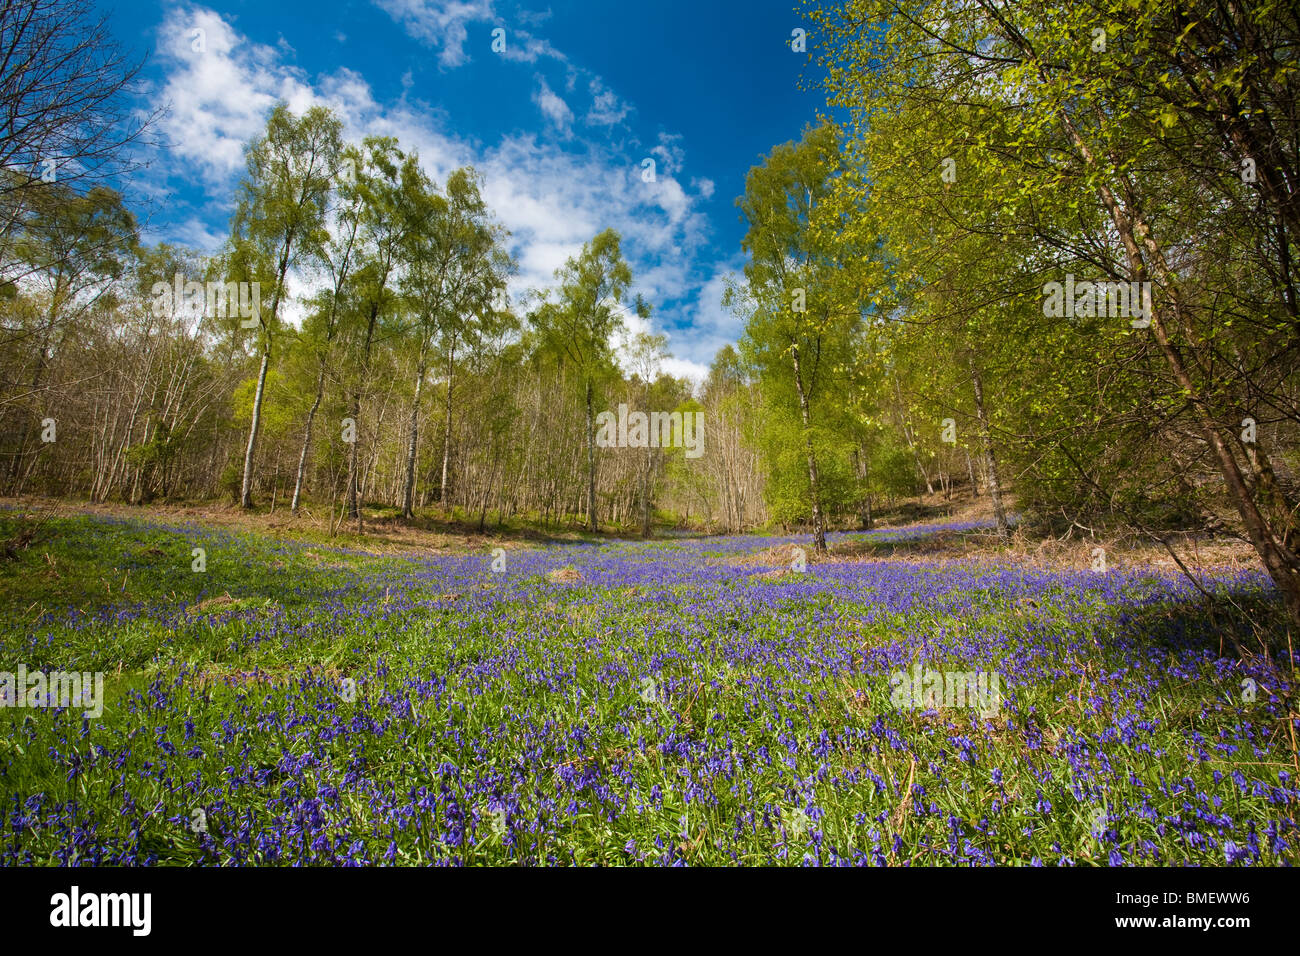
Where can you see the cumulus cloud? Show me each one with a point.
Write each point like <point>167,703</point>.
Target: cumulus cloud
<point>683,368</point>
<point>218,101</point>
<point>703,186</point>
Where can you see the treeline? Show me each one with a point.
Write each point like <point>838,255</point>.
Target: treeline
<point>137,373</point>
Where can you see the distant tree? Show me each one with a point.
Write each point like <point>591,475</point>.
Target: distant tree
<point>647,353</point>
<point>456,269</point>
<point>77,248</point>
<point>280,220</point>
<point>337,259</point>
<point>579,327</point>
<point>391,184</point>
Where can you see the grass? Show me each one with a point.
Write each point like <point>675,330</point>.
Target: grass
<point>622,703</point>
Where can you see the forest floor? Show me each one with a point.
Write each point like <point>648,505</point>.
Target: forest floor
<point>950,530</point>
<point>926,694</point>
<point>384,531</point>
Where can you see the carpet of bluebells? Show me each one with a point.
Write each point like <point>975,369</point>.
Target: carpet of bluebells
<point>665,703</point>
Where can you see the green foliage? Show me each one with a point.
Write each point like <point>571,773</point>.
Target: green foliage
<point>994,148</point>
<point>277,417</point>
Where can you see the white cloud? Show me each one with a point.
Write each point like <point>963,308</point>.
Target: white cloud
<point>681,368</point>
<point>442,24</point>
<point>533,18</point>
<point>523,47</point>
<point>197,234</point>
<point>709,326</point>
<point>553,201</point>
<point>218,102</point>
<point>606,108</point>
<point>669,152</point>
<point>553,106</point>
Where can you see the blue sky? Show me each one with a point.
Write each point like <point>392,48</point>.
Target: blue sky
<point>558,124</point>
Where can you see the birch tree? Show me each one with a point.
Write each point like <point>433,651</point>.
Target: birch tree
<point>279,221</point>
